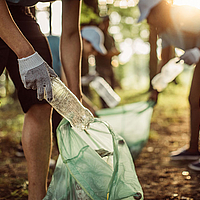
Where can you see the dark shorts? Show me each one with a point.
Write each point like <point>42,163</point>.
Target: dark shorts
<point>8,59</point>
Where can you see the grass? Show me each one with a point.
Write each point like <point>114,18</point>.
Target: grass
<point>11,113</point>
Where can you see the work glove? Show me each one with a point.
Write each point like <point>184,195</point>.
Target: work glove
<point>35,74</point>
<point>191,56</point>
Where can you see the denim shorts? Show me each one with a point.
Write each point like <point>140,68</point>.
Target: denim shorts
<point>31,30</point>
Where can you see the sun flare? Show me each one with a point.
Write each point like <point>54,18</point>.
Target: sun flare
<point>194,3</point>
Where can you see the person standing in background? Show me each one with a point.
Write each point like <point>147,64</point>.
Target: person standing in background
<point>104,67</point>
<point>178,26</point>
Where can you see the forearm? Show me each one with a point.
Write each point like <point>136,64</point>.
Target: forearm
<point>10,33</point>
<point>71,45</point>
<point>70,58</point>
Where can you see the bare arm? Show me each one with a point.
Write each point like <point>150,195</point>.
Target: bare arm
<point>10,33</point>
<point>71,45</point>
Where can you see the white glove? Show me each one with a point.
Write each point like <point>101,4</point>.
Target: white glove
<point>191,56</point>
<point>35,74</point>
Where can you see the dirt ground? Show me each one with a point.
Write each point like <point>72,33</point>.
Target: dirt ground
<point>160,178</point>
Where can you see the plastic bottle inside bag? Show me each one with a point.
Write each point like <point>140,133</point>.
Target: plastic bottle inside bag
<point>68,105</point>
<point>105,92</point>
<point>80,193</point>
<point>168,73</point>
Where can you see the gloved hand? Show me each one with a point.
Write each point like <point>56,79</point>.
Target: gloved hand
<point>191,56</point>
<point>35,74</point>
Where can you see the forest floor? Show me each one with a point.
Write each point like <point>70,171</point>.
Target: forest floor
<point>160,178</point>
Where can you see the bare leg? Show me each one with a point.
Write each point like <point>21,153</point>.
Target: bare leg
<point>194,98</point>
<point>36,141</point>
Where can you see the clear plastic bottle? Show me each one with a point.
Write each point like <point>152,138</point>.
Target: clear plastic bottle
<point>105,91</point>
<point>68,105</point>
<point>168,73</point>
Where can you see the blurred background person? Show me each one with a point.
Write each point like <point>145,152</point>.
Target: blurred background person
<point>178,26</point>
<point>104,67</point>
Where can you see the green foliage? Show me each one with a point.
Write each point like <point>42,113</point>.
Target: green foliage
<point>13,116</point>
<point>129,28</point>
<point>88,15</point>
<point>128,23</point>
<point>18,194</point>
<point>130,11</point>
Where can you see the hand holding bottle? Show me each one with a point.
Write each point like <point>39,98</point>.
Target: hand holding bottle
<point>105,91</point>
<point>168,73</point>
<point>35,74</point>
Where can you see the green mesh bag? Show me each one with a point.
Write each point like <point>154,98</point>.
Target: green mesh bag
<point>132,122</point>
<point>93,164</point>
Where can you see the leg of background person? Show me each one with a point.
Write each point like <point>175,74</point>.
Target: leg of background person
<point>56,118</point>
<point>194,98</point>
<point>36,141</point>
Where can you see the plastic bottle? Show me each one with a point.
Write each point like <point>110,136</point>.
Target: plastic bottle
<point>105,91</point>
<point>168,73</point>
<point>68,105</point>
<point>80,193</point>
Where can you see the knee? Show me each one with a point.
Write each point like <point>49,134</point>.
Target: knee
<point>40,111</point>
